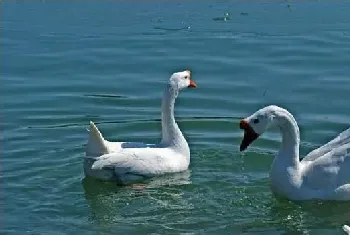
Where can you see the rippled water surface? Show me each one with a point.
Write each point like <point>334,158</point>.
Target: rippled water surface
<point>63,64</point>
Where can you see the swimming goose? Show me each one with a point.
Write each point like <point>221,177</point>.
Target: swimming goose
<point>346,229</point>
<point>323,174</point>
<point>127,162</point>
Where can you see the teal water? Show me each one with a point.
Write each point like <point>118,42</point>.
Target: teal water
<point>63,64</point>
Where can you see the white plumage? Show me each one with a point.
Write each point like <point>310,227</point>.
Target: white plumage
<point>128,162</point>
<point>323,174</point>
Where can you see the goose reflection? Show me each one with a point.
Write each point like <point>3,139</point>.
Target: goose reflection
<point>110,203</point>
<point>309,215</point>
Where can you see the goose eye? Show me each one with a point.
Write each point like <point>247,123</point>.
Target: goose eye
<point>186,77</point>
<point>256,120</point>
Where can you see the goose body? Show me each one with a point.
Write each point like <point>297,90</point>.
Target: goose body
<point>127,162</point>
<point>322,174</point>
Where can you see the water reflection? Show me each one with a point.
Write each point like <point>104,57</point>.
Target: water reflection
<point>305,216</point>
<point>138,203</point>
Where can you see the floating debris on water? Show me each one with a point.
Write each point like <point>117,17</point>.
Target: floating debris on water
<point>173,29</point>
<point>226,17</point>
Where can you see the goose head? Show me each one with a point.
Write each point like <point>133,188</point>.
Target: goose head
<point>258,123</point>
<point>181,80</point>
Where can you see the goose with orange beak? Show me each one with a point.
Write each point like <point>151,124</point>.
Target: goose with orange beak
<point>129,162</point>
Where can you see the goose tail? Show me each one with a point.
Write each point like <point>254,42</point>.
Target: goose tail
<point>346,229</point>
<point>96,145</point>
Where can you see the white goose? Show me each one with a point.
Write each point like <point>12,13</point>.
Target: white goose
<point>346,229</point>
<point>127,162</point>
<point>323,174</point>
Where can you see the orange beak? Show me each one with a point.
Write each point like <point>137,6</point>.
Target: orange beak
<point>192,84</point>
<point>249,135</point>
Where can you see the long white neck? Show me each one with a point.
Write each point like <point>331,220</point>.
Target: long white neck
<point>171,133</point>
<point>289,152</point>
<point>285,171</point>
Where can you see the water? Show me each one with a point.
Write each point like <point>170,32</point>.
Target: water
<point>63,64</point>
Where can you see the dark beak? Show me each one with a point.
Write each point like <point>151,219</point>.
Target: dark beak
<point>192,84</point>
<point>249,135</point>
